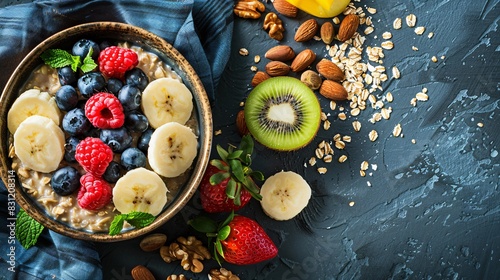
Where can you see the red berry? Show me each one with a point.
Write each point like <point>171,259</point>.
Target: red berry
<point>115,61</point>
<point>104,111</point>
<point>93,155</point>
<point>94,192</point>
<point>247,243</point>
<point>213,197</point>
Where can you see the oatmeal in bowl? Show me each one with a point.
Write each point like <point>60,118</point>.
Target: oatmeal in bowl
<point>125,130</point>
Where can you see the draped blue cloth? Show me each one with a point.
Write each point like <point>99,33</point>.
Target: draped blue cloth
<point>200,29</point>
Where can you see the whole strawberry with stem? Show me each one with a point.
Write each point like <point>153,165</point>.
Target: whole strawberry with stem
<point>229,183</point>
<point>238,240</point>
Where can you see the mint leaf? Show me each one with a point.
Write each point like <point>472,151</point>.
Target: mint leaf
<point>57,58</point>
<point>137,219</point>
<point>88,63</point>
<point>27,229</point>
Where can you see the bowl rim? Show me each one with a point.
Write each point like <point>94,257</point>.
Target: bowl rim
<point>205,127</point>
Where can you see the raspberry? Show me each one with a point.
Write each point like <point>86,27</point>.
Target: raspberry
<point>115,61</point>
<point>94,192</point>
<point>93,155</point>
<point>104,111</point>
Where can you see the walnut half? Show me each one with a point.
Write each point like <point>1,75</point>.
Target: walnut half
<point>190,251</point>
<point>249,9</point>
<point>274,25</point>
<point>221,274</point>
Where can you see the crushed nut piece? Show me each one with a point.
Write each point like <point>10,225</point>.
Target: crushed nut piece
<point>434,59</point>
<point>351,203</point>
<point>274,25</point>
<point>430,35</point>
<point>218,132</point>
<point>480,124</point>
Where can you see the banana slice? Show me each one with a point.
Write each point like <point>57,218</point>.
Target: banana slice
<point>32,102</point>
<point>166,100</point>
<point>140,190</point>
<point>39,143</point>
<point>172,149</point>
<point>284,195</point>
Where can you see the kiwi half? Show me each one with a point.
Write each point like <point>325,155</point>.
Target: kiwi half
<point>282,113</point>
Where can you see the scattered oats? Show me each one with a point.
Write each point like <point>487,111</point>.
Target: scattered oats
<point>413,102</point>
<point>328,158</point>
<point>336,20</point>
<point>368,183</point>
<point>342,158</point>
<point>395,72</point>
<point>342,116</point>
<point>374,167</point>
<point>368,30</point>
<point>397,23</point>
<point>387,35</point>
<point>356,125</point>
<point>414,48</point>
<point>413,141</point>
<point>351,203</point>
<point>480,124</point>
<point>420,30</point>
<point>326,125</point>
<point>256,59</point>
<point>364,165</point>
<point>425,90</point>
<point>218,132</point>
<point>443,57</point>
<point>411,20</point>
<point>333,105</point>
<point>23,172</point>
<point>312,161</point>
<point>322,144</point>
<point>373,135</point>
<point>386,113</point>
<point>317,38</point>
<point>242,104</point>
<point>371,10</point>
<point>434,58</point>
<point>253,68</point>
<point>322,170</point>
<point>323,116</point>
<point>355,112</point>
<point>328,149</point>
<point>388,45</point>
<point>340,144</point>
<point>422,96</point>
<point>243,52</point>
<point>346,138</point>
<point>319,153</point>
<point>45,180</point>
<point>379,104</point>
<point>389,97</point>
<point>376,117</point>
<point>362,173</point>
<point>337,137</point>
<point>397,130</point>
<point>430,35</point>
<point>372,99</point>
<point>341,108</point>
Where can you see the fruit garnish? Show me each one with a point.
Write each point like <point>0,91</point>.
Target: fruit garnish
<point>238,240</point>
<point>136,219</point>
<point>229,182</point>
<point>94,192</point>
<point>284,195</point>
<point>282,113</point>
<point>114,61</point>
<point>57,58</point>
<point>93,155</point>
<point>321,8</point>
<point>104,111</point>
<point>27,229</point>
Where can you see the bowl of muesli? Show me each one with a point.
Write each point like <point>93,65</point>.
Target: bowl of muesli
<point>106,131</point>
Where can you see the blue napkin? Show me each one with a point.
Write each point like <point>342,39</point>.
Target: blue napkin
<point>200,29</point>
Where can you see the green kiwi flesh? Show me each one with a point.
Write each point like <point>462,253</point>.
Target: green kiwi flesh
<point>282,113</point>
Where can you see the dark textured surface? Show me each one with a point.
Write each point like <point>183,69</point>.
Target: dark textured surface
<point>432,209</point>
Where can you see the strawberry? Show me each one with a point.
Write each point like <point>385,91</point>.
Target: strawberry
<point>238,240</point>
<point>228,184</point>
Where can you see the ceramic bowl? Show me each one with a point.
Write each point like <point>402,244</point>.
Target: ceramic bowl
<point>115,32</point>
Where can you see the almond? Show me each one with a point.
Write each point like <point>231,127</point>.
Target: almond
<point>306,30</point>
<point>259,77</point>
<point>277,68</point>
<point>153,242</point>
<point>333,90</point>
<point>285,8</point>
<point>280,53</point>
<point>303,60</point>
<point>330,70</point>
<point>327,32</point>
<point>241,125</point>
<point>141,272</point>
<point>348,27</point>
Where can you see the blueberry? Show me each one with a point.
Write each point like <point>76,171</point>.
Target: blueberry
<point>70,149</point>
<point>75,122</point>
<point>91,83</point>
<point>112,173</point>
<point>114,85</point>
<point>143,142</point>
<point>82,47</point>
<point>133,158</point>
<point>66,76</point>
<point>66,98</point>
<point>136,122</point>
<point>117,139</point>
<point>137,78</point>
<point>130,97</point>
<point>65,181</point>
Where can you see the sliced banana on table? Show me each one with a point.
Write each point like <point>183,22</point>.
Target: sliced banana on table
<point>32,102</point>
<point>172,149</point>
<point>166,100</point>
<point>284,195</point>
<point>140,190</point>
<point>39,143</point>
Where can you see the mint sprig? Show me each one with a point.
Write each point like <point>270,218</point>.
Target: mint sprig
<point>135,218</point>
<point>57,58</point>
<point>27,229</point>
